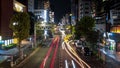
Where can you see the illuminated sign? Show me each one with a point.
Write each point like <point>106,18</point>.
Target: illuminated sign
<point>15,40</point>
<point>18,6</point>
<point>45,15</point>
<point>5,42</point>
<point>0,37</point>
<point>2,42</point>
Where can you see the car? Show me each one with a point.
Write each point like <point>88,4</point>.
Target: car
<point>78,45</point>
<point>76,41</point>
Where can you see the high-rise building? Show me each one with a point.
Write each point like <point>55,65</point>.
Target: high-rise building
<point>51,14</point>
<point>30,5</point>
<point>6,12</point>
<point>107,13</point>
<point>84,8</point>
<point>114,16</point>
<point>46,5</point>
<point>74,11</point>
<point>7,9</point>
<point>38,4</point>
<point>42,10</point>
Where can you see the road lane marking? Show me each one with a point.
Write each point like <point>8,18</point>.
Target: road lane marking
<point>66,64</point>
<point>79,63</point>
<point>42,65</point>
<point>73,64</point>
<point>63,43</point>
<point>54,55</point>
<point>75,54</point>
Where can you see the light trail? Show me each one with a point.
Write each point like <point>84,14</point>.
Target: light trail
<point>54,55</point>
<point>63,45</point>
<point>66,64</point>
<point>75,54</point>
<point>79,63</point>
<point>69,41</point>
<point>73,64</point>
<point>42,65</point>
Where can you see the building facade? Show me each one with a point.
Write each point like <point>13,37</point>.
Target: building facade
<point>31,6</point>
<point>6,12</point>
<point>38,4</point>
<point>7,9</point>
<point>84,8</point>
<point>114,16</point>
<point>41,10</point>
<point>74,12</point>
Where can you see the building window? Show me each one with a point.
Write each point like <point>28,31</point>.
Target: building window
<point>86,3</point>
<point>87,8</point>
<point>86,12</point>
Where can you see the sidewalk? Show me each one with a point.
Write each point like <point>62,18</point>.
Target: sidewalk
<point>2,58</point>
<point>48,42</point>
<point>112,59</point>
<point>111,54</point>
<point>4,54</point>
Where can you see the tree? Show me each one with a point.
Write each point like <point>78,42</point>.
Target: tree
<point>93,36</point>
<point>20,24</point>
<point>84,26</point>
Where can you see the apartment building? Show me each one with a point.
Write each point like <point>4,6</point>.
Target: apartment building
<point>30,5</point>
<point>84,8</point>
<point>115,16</point>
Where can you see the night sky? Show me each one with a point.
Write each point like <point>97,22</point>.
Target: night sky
<point>60,7</point>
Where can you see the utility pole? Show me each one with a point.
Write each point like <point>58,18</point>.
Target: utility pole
<point>107,8</point>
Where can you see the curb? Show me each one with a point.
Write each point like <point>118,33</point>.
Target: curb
<point>24,61</point>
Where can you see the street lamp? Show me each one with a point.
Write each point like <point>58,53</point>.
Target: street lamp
<point>15,23</point>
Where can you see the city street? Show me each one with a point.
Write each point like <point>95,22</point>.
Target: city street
<point>60,55</point>
<point>59,33</point>
<point>44,57</point>
<point>36,59</point>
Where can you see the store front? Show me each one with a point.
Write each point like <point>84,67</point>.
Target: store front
<point>109,43</point>
<point>118,46</point>
<point>112,42</point>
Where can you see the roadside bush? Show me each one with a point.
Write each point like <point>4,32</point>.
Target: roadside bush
<point>9,46</point>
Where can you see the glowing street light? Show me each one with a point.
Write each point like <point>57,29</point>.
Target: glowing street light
<point>15,23</point>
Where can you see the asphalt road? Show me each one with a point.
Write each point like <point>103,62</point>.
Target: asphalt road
<point>65,59</point>
<point>93,61</point>
<point>36,59</point>
<point>51,54</point>
<point>43,56</point>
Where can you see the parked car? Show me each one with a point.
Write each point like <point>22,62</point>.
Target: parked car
<point>76,41</point>
<point>78,45</point>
